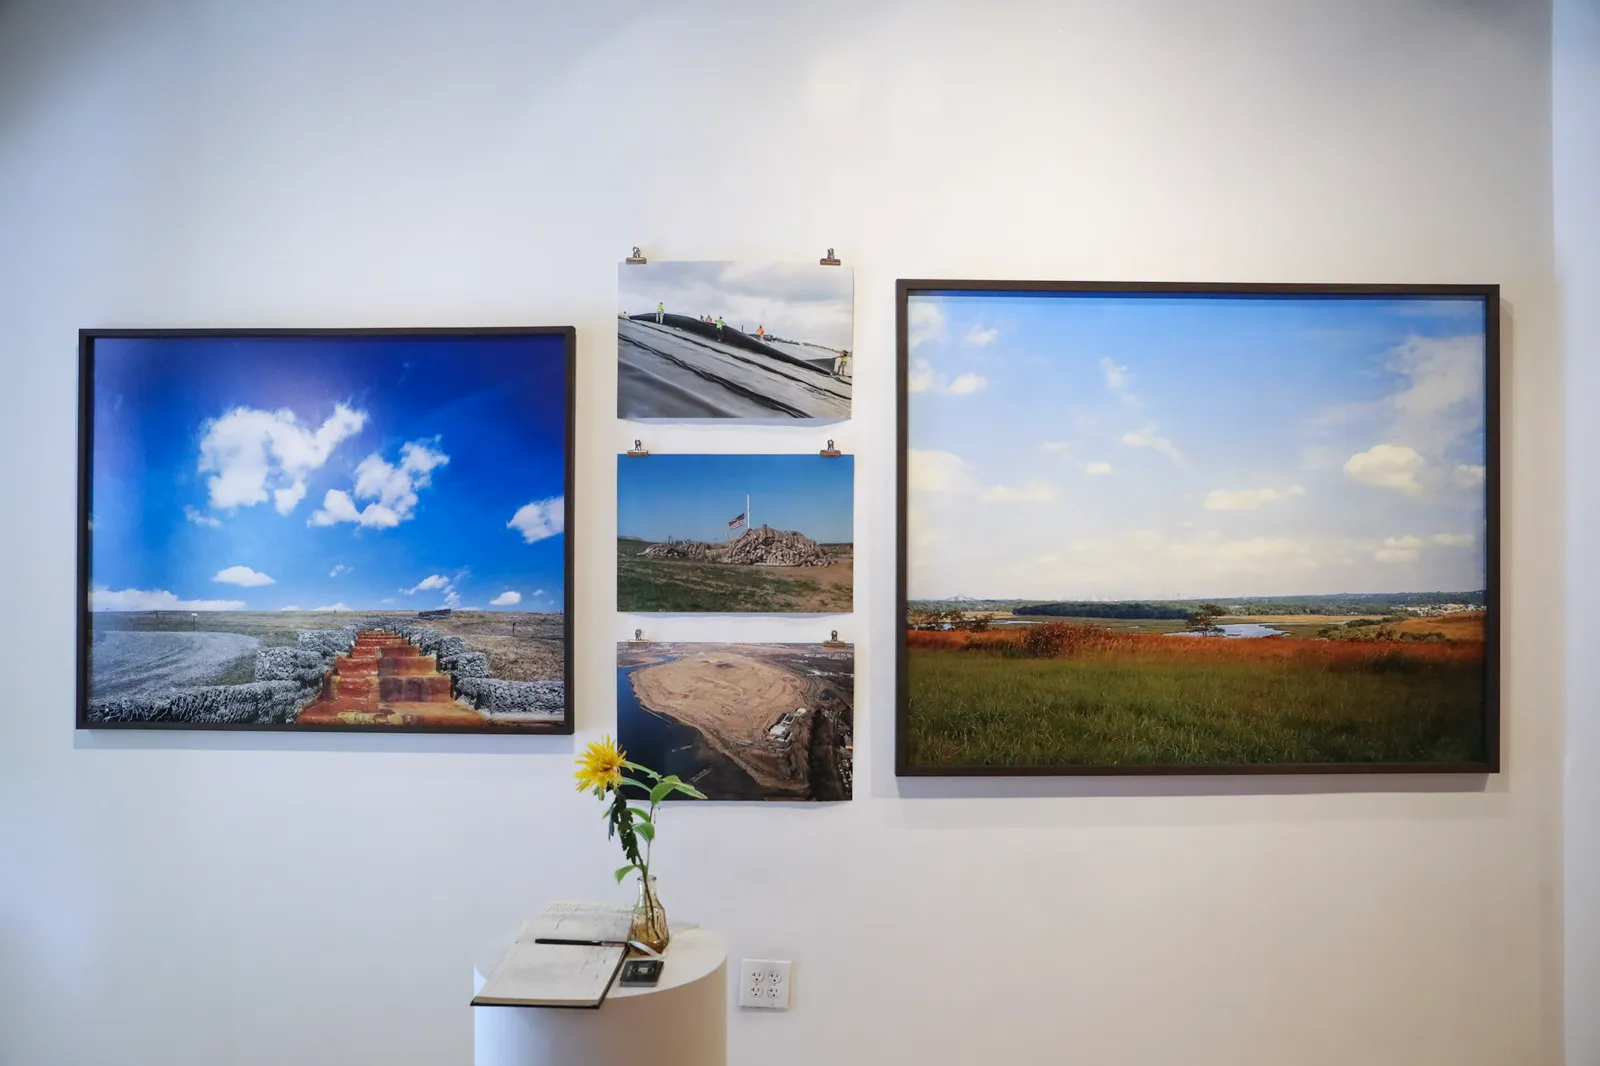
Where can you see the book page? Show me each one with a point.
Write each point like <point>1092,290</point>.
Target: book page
<point>552,975</point>
<point>581,921</point>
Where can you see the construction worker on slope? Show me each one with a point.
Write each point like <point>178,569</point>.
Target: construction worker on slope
<point>720,324</point>
<point>841,361</point>
<point>761,333</point>
<point>661,313</point>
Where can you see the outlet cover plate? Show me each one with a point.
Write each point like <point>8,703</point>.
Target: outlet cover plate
<point>764,983</point>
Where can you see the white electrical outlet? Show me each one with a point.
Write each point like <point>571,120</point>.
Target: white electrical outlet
<point>764,983</point>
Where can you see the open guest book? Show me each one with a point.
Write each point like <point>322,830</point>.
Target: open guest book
<point>568,955</point>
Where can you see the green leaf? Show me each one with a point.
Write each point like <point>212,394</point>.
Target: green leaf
<point>659,793</point>
<point>639,814</point>
<point>646,830</point>
<point>689,790</point>
<point>636,784</point>
<point>622,871</point>
<point>642,769</point>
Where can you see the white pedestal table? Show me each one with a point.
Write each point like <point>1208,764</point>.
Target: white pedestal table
<point>682,1021</point>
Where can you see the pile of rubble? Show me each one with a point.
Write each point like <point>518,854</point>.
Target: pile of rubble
<point>679,549</point>
<point>776,547</point>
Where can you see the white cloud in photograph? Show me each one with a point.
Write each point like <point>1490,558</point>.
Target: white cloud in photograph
<point>922,377</point>
<point>391,488</point>
<point>430,583</point>
<point>1399,550</point>
<point>1099,469</point>
<point>252,455</point>
<point>1249,499</point>
<point>339,568</point>
<point>936,471</point>
<point>1389,466</point>
<point>1443,397</point>
<point>1116,376</point>
<point>508,598</point>
<point>981,337</point>
<point>1147,437</point>
<point>200,518</point>
<point>803,302</point>
<point>540,519</point>
<point>1032,492</point>
<point>242,575</point>
<point>925,322</point>
<point>105,599</point>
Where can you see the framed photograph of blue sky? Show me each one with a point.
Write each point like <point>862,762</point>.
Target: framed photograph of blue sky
<point>363,530</point>
<point>1195,528</point>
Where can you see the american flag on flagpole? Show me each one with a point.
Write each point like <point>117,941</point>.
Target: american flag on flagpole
<point>736,522</point>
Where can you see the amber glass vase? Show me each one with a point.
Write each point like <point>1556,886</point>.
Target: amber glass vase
<point>649,918</point>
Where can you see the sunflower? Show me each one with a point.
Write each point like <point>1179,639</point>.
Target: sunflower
<point>600,766</point>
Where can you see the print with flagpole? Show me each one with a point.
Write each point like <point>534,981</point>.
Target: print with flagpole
<point>741,520</point>
<point>679,549</point>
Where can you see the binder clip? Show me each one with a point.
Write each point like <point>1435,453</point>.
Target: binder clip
<point>827,260</point>
<point>830,452</point>
<point>638,451</point>
<point>638,260</point>
<point>833,641</point>
<point>638,639</point>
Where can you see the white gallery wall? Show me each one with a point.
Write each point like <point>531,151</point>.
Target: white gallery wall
<point>1576,114</point>
<point>188,899</point>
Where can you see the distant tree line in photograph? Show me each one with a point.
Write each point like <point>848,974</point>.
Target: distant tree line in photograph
<point>1380,603</point>
<point>1115,609</point>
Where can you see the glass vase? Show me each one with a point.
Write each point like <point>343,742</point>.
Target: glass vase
<point>649,918</point>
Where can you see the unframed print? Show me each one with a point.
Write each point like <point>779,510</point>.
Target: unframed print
<point>1165,529</point>
<point>741,721</point>
<point>327,530</point>
<point>731,340</point>
<point>735,533</point>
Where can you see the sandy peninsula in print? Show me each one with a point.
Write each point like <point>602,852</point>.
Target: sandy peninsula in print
<point>742,721</point>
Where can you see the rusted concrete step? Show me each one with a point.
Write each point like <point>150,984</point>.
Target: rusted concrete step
<point>430,688</point>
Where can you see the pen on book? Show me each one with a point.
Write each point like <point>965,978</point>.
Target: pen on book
<point>643,948</point>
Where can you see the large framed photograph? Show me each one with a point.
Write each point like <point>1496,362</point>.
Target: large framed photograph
<point>365,530</point>
<point>1189,528</point>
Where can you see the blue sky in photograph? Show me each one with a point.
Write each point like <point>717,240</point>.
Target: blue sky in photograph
<point>356,472</point>
<point>693,497</point>
<point>1086,446</point>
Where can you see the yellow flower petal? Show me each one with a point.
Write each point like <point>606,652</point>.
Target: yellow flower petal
<point>600,765</point>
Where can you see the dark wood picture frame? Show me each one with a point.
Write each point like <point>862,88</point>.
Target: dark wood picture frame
<point>86,398</point>
<point>1489,294</point>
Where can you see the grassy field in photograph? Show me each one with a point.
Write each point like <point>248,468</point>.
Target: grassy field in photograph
<point>1107,698</point>
<point>671,585</point>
